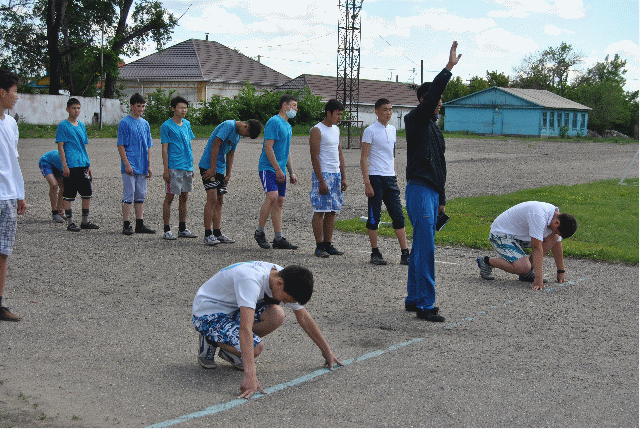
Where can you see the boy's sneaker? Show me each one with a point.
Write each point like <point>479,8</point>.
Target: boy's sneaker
<point>73,227</point>
<point>88,225</point>
<point>224,239</point>
<point>321,253</point>
<point>211,240</point>
<point>127,230</point>
<point>529,277</point>
<point>429,315</point>
<point>5,314</point>
<point>282,243</point>
<point>404,258</point>
<point>333,251</point>
<point>186,234</point>
<point>57,218</point>
<point>377,259</point>
<point>206,353</point>
<point>261,239</point>
<point>234,360</point>
<point>144,229</point>
<point>485,269</point>
<point>169,236</point>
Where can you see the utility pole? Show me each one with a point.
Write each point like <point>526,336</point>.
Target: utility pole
<point>348,64</point>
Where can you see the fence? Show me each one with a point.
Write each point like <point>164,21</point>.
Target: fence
<point>44,109</point>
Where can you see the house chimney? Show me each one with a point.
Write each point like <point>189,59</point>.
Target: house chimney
<point>206,36</point>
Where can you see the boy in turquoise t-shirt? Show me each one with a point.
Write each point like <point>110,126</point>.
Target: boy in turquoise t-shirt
<point>215,169</point>
<point>177,159</point>
<point>273,160</point>
<point>51,167</point>
<point>71,138</point>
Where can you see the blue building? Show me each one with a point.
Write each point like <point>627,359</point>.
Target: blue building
<point>516,111</point>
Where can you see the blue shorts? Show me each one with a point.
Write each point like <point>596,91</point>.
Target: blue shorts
<point>47,169</point>
<point>331,202</point>
<point>225,328</point>
<point>134,188</point>
<point>269,183</point>
<point>510,248</point>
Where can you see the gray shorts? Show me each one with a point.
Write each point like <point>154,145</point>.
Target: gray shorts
<point>134,188</point>
<point>8,222</point>
<point>180,181</point>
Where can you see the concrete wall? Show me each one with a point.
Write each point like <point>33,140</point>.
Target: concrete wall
<point>43,109</point>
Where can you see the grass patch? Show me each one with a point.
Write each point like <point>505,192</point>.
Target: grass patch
<point>607,215</point>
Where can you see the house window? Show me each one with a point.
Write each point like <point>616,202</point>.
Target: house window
<point>551,123</point>
<point>575,121</point>
<point>544,119</point>
<point>559,119</point>
<point>584,121</point>
<point>566,119</point>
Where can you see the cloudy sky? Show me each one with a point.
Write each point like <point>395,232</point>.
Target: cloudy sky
<point>301,36</point>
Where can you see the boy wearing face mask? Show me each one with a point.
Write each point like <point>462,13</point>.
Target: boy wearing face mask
<point>273,160</point>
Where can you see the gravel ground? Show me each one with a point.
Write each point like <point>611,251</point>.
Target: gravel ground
<point>106,338</point>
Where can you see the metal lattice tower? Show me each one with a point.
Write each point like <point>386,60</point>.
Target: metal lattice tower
<point>348,87</point>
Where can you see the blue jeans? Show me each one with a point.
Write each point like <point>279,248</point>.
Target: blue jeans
<point>422,208</point>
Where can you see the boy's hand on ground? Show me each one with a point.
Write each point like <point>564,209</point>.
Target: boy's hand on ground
<point>249,386</point>
<point>561,278</point>
<point>537,284</point>
<point>330,360</point>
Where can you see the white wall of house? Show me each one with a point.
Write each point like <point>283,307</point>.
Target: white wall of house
<point>43,109</point>
<point>367,114</point>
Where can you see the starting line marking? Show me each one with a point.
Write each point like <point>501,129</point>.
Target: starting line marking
<point>317,373</point>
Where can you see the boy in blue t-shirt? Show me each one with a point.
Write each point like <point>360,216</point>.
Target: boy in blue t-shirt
<point>71,138</point>
<point>273,160</point>
<point>215,169</point>
<point>177,158</point>
<point>134,142</point>
<point>51,167</point>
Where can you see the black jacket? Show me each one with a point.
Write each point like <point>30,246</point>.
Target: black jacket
<point>425,142</point>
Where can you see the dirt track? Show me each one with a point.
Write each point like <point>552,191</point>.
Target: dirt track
<point>106,337</point>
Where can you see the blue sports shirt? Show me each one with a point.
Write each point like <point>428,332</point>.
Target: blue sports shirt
<point>74,139</point>
<point>227,132</point>
<point>178,137</point>
<point>280,131</point>
<point>135,136</point>
<point>53,159</point>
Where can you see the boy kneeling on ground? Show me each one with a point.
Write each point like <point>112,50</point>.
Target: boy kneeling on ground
<point>240,304</point>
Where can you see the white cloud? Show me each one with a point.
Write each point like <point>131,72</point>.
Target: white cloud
<point>552,30</point>
<point>440,20</point>
<point>567,9</point>
<point>496,42</point>
<point>225,22</point>
<point>626,47</point>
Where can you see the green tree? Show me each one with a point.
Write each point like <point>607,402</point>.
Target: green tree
<point>548,69</point>
<point>477,84</point>
<point>455,89</point>
<point>497,79</point>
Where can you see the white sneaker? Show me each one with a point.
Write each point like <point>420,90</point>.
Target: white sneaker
<point>57,218</point>
<point>234,360</point>
<point>169,236</point>
<point>224,239</point>
<point>186,234</point>
<point>206,353</point>
<point>211,240</point>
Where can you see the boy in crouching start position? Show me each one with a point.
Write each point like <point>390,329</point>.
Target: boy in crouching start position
<point>533,224</point>
<point>240,304</point>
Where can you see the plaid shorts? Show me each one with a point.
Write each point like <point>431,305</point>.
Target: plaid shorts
<point>225,328</point>
<point>511,249</point>
<point>331,202</point>
<point>8,222</point>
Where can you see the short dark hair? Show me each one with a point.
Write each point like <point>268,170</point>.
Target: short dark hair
<point>381,102</point>
<point>8,79</point>
<point>568,225</point>
<point>176,100</point>
<point>333,105</point>
<point>137,98</point>
<point>255,128</point>
<point>285,99</point>
<point>298,283</point>
<point>73,101</point>
<point>422,90</point>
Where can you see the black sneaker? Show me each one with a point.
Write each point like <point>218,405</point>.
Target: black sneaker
<point>411,307</point>
<point>530,277</point>
<point>73,227</point>
<point>88,225</point>
<point>321,253</point>
<point>127,230</point>
<point>7,315</point>
<point>144,229</point>
<point>377,259</point>
<point>404,258</point>
<point>485,269</point>
<point>261,240</point>
<point>430,315</point>
<point>282,243</point>
<point>333,251</point>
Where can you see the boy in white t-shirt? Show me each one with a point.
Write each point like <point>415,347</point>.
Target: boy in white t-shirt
<point>378,166</point>
<point>533,224</point>
<point>328,178</point>
<point>11,183</point>
<point>240,304</point>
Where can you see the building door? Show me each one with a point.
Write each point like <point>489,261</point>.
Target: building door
<point>497,122</point>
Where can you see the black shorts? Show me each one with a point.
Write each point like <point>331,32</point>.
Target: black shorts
<point>216,182</point>
<point>385,191</point>
<point>78,182</point>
